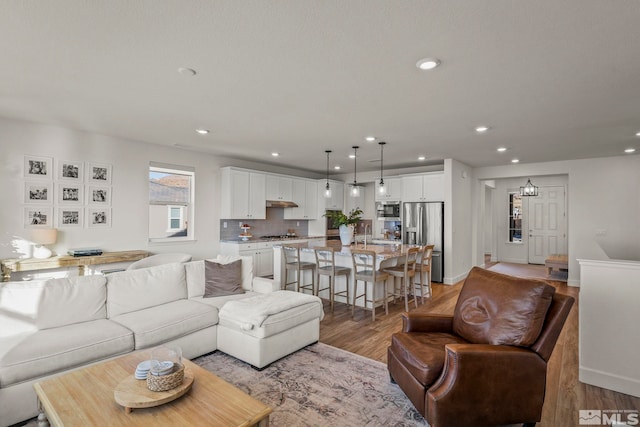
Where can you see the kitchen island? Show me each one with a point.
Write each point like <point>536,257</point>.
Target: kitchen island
<point>386,256</point>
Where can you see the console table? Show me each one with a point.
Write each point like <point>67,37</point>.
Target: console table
<point>33,264</point>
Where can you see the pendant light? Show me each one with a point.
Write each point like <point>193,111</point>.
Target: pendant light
<point>529,189</point>
<point>382,189</point>
<point>327,188</point>
<point>355,188</point>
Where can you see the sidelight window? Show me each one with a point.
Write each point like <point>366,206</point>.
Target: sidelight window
<point>515,217</point>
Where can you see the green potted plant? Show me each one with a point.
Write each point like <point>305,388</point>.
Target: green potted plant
<point>345,223</point>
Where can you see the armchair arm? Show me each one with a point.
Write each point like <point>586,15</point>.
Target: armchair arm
<point>485,384</point>
<point>265,286</point>
<point>421,322</point>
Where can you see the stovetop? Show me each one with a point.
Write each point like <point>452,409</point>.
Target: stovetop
<point>279,237</point>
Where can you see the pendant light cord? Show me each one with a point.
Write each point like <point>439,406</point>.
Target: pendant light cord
<point>355,163</point>
<point>381,143</point>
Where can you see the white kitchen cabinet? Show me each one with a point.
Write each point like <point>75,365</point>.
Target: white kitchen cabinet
<point>279,188</point>
<point>305,195</point>
<point>242,194</point>
<point>423,188</point>
<point>261,254</point>
<point>336,201</point>
<point>393,192</point>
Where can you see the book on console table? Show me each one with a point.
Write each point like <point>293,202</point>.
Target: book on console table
<point>84,252</point>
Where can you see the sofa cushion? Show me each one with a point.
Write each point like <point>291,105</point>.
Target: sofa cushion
<point>195,273</point>
<point>425,364</point>
<point>222,279</point>
<point>55,302</point>
<point>264,315</point>
<point>72,300</point>
<point>139,289</point>
<point>156,325</point>
<point>498,309</point>
<point>31,355</point>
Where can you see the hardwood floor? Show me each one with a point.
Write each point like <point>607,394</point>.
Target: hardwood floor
<point>565,395</point>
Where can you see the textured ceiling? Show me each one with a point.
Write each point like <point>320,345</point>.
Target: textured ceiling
<point>555,80</point>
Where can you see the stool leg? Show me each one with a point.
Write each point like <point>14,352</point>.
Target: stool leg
<point>406,294</point>
<point>386,297</point>
<point>373,299</point>
<point>412,280</point>
<point>355,295</point>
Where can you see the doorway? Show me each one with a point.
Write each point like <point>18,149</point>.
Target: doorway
<point>547,223</point>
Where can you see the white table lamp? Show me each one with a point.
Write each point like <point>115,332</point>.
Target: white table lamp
<point>41,237</point>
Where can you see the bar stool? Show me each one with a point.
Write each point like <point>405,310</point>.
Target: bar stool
<point>325,259</point>
<point>405,271</point>
<point>364,269</point>
<point>292,263</point>
<point>424,268</point>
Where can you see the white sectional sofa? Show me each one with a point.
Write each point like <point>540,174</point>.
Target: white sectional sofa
<point>54,326</point>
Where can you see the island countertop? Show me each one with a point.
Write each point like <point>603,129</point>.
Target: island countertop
<point>383,251</point>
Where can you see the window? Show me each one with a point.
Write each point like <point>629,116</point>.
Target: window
<point>176,218</point>
<point>515,217</point>
<point>171,191</point>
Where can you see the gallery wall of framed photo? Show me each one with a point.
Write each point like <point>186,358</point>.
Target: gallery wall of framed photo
<point>61,193</point>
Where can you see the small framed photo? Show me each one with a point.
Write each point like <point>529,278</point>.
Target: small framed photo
<point>99,173</point>
<point>99,217</point>
<point>70,194</point>
<point>99,195</point>
<point>70,170</point>
<point>38,217</point>
<point>38,192</point>
<point>70,217</point>
<point>36,167</point>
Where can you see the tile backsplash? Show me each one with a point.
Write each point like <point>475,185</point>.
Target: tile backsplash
<point>275,224</point>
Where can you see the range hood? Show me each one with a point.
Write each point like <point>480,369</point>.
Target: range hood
<point>280,204</point>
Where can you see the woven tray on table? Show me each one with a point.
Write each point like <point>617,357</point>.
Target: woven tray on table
<point>166,382</point>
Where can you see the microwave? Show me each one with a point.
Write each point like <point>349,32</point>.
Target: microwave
<point>388,211</point>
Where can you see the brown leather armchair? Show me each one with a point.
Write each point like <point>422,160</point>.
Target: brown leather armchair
<point>486,364</point>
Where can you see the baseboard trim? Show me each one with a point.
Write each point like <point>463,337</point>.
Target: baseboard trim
<point>609,381</point>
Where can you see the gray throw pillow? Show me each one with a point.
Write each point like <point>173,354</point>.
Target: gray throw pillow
<point>222,279</point>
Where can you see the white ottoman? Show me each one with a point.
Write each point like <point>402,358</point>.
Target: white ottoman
<point>264,328</point>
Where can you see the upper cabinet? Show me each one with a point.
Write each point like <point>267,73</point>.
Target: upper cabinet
<point>336,201</point>
<point>393,190</point>
<point>423,188</point>
<point>243,194</point>
<point>279,188</point>
<point>305,195</point>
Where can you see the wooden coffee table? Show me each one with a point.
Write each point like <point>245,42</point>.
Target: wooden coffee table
<point>86,397</point>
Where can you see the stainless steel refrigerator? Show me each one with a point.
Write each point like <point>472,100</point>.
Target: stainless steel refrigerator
<point>423,224</point>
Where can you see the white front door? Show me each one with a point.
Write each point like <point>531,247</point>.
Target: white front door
<point>547,224</point>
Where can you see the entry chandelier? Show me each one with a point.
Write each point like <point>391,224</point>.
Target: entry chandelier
<point>327,188</point>
<point>382,189</point>
<point>355,188</point>
<point>529,189</point>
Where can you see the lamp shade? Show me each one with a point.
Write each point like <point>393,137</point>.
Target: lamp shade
<point>44,236</point>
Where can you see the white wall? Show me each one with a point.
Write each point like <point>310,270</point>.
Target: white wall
<point>603,197</point>
<point>458,236</point>
<point>129,203</point>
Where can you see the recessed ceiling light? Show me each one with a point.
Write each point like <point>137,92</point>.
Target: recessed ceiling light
<point>352,156</point>
<point>187,71</point>
<point>502,149</point>
<point>638,133</point>
<point>421,157</point>
<point>370,138</point>
<point>630,150</point>
<point>482,129</point>
<point>202,131</point>
<point>515,161</point>
<point>428,63</point>
<point>274,154</point>
<point>336,167</point>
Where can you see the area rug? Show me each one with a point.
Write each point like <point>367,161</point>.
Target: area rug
<point>320,385</point>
